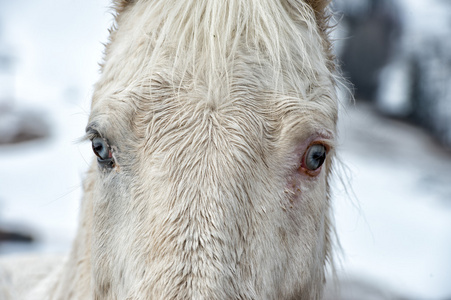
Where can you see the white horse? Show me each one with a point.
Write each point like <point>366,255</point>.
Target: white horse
<point>214,125</point>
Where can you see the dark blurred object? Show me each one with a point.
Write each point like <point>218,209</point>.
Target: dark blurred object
<point>372,29</point>
<point>430,71</point>
<point>416,83</point>
<point>16,125</point>
<point>397,54</point>
<point>21,125</point>
<point>10,236</point>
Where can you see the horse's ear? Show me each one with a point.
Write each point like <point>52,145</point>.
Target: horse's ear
<point>318,6</point>
<point>321,13</point>
<point>322,19</point>
<point>120,5</point>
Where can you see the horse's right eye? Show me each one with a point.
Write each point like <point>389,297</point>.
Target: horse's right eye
<point>103,152</point>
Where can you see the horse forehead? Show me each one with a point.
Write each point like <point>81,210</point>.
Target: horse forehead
<point>172,112</point>
<point>242,101</point>
<point>161,104</point>
<point>249,123</point>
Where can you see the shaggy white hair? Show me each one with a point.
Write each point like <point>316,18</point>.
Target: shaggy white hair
<point>203,40</point>
<point>208,109</point>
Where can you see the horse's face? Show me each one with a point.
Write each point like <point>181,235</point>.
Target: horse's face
<point>199,194</point>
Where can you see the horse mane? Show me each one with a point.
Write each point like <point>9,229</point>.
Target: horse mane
<point>203,38</point>
<point>318,6</point>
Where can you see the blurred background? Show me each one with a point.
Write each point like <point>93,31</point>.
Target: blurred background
<point>393,212</point>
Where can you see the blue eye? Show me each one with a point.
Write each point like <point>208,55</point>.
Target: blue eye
<point>103,152</point>
<point>315,157</point>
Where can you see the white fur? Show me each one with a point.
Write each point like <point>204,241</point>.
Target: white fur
<point>209,107</point>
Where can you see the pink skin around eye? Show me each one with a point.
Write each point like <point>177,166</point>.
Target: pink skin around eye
<point>298,172</point>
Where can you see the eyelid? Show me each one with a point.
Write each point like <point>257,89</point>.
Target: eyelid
<point>328,143</point>
<point>324,138</point>
<point>91,133</point>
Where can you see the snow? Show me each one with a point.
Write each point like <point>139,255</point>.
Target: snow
<point>55,49</point>
<point>50,39</point>
<point>398,228</point>
<point>394,223</point>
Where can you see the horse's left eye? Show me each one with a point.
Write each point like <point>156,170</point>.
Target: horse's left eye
<point>315,157</point>
<point>103,151</point>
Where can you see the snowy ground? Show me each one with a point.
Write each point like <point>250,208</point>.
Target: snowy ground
<point>394,224</point>
<point>55,49</point>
